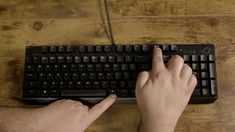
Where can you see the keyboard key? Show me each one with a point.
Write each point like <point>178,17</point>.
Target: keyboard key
<point>109,76</point>
<point>195,67</point>
<point>203,66</point>
<point>111,59</point>
<point>86,59</point>
<point>116,67</point>
<point>137,48</point>
<point>69,49</point>
<point>194,58</point>
<point>119,48</point>
<point>29,68</point>
<point>90,49</point>
<point>83,93</point>
<point>204,83</point>
<point>90,67</point>
<point>45,49</point>
<point>54,93</point>
<point>107,67</point>
<point>196,92</point>
<point>53,49</point>
<point>129,58</point>
<point>123,93</point>
<point>211,58</point>
<point>52,59</point>
<point>94,59</point>
<point>60,59</point>
<point>103,59</point>
<point>120,59</point>
<point>77,59</point>
<point>81,49</point>
<point>124,67</point>
<point>81,68</point>
<point>78,84</point>
<point>107,48</point>
<point>213,87</point>
<point>98,67</point>
<point>212,70</point>
<point>128,48</point>
<point>96,85</point>
<point>186,58</point>
<point>100,76</point>
<point>165,47</point>
<point>205,92</point>
<point>105,84</point>
<point>61,49</point>
<point>145,48</point>
<point>203,58</point>
<point>69,59</point>
<point>87,84</point>
<point>99,49</point>
<point>44,60</point>
<point>117,75</point>
<point>204,75</point>
<point>92,76</point>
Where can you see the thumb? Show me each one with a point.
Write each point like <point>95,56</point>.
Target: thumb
<point>101,107</point>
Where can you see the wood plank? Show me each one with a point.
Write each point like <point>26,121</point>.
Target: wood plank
<point>219,116</point>
<point>31,9</point>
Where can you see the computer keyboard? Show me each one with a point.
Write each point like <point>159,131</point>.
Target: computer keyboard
<point>91,72</point>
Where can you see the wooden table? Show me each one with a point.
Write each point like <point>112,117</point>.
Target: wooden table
<point>31,22</point>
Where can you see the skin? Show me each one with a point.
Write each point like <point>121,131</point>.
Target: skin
<point>162,94</point>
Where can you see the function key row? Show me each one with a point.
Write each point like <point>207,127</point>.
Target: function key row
<point>95,49</point>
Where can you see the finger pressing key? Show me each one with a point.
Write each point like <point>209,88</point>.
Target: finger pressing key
<point>157,64</point>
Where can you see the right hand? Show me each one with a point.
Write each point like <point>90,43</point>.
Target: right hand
<point>163,92</point>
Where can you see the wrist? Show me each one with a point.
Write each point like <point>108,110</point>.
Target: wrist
<point>152,124</point>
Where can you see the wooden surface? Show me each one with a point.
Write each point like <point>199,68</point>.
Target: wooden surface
<point>34,22</point>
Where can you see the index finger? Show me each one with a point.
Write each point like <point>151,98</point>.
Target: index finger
<point>157,64</point>
<point>100,108</point>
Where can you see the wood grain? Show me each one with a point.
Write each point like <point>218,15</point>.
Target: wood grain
<point>39,24</point>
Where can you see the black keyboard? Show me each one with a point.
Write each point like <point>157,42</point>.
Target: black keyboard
<point>89,73</point>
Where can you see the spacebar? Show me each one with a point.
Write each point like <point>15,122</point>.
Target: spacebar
<point>83,93</point>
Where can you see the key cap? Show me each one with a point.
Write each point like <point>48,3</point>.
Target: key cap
<point>73,67</point>
<point>107,67</point>
<point>70,85</point>
<point>83,93</point>
<point>92,76</point>
<point>117,75</point>
<point>204,83</point>
<point>173,47</point>
<point>99,49</point>
<point>44,60</point>
<point>54,93</point>
<point>61,49</point>
<point>111,59</point>
<point>194,58</point>
<point>105,84</point>
<point>64,68</point>
<point>145,48</point>
<point>129,58</point>
<point>53,49</point>
<point>81,68</point>
<point>86,59</point>
<point>213,87</point>
<point>203,58</point>
<point>56,68</point>
<point>47,68</point>
<point>88,84</point>
<point>137,48</point>
<point>44,49</point>
<point>90,49</point>
<point>30,76</point>
<point>98,67</point>
<point>165,47</point>
<point>212,70</point>
<point>60,59</point>
<point>122,84</point>
<point>96,85</point>
<point>124,67</point>
<point>203,66</point>
<point>69,59</point>
<point>69,49</point>
<point>78,84</point>
<point>109,75</point>
<point>128,48</point>
<point>186,58</point>
<point>66,76</point>
<point>83,76</point>
<point>195,66</point>
<point>196,92</point>
<point>31,93</point>
<point>211,58</point>
<point>204,75</point>
<point>120,59</point>
<point>58,76</point>
<point>116,67</point>
<point>132,67</point>
<point>123,93</point>
<point>100,76</point>
<point>81,49</point>
<point>77,59</point>
<point>107,48</point>
<point>75,76</point>
<point>119,48</point>
<point>94,59</point>
<point>29,68</point>
<point>90,67</point>
<point>103,59</point>
<point>52,59</point>
<point>205,92</point>
<point>45,84</point>
<point>126,75</point>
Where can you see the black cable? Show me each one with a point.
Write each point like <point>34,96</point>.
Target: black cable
<point>109,23</point>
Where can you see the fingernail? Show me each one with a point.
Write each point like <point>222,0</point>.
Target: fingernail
<point>113,96</point>
<point>156,46</point>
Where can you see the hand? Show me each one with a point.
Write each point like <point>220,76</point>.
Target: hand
<point>60,116</point>
<point>163,92</point>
